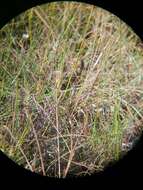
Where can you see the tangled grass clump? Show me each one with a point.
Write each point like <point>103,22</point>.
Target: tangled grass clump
<point>70,89</point>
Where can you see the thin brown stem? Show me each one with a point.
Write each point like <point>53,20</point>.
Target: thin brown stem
<point>38,145</point>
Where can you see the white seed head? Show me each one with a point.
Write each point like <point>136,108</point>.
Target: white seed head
<point>25,36</point>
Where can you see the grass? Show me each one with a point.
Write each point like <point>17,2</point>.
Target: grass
<point>71,91</point>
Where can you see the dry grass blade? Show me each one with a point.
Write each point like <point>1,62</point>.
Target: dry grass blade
<point>37,141</point>
<point>43,19</point>
<point>69,162</point>
<point>21,150</point>
<point>58,141</point>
